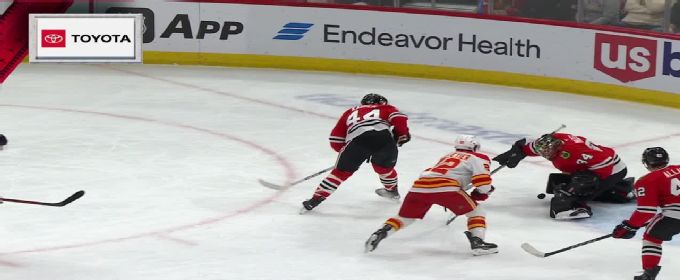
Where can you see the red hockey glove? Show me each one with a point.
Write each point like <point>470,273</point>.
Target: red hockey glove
<point>624,230</point>
<point>476,195</point>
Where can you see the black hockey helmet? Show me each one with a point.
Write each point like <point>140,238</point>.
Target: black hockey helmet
<point>655,157</point>
<point>547,146</point>
<point>373,98</point>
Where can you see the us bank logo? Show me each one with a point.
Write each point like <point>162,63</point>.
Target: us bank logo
<point>293,31</point>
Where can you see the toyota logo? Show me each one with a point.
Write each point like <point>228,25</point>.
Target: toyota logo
<point>53,38</point>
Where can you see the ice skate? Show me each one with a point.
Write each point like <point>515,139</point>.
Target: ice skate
<point>479,247</point>
<point>311,203</point>
<point>649,274</point>
<point>391,195</point>
<point>375,238</point>
<point>572,214</point>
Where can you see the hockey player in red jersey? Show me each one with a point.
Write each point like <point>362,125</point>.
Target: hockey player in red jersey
<point>371,132</point>
<point>589,172</point>
<point>444,184</point>
<point>660,188</point>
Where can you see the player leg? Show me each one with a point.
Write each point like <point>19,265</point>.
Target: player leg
<point>383,160</point>
<point>570,201</point>
<point>615,188</point>
<point>460,203</point>
<point>415,206</point>
<point>349,160</point>
<point>660,229</point>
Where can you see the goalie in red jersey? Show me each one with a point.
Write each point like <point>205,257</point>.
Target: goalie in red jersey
<point>589,172</point>
<point>444,184</point>
<point>660,188</point>
<point>369,132</point>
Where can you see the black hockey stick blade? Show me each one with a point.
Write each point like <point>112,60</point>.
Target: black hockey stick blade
<point>271,185</point>
<point>65,202</point>
<point>531,250</point>
<point>281,187</point>
<point>71,198</point>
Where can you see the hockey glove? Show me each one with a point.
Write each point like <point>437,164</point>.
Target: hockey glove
<point>403,139</point>
<point>624,230</point>
<point>3,140</point>
<point>476,195</point>
<point>513,156</point>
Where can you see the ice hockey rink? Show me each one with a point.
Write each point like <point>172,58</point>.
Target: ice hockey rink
<point>170,157</point>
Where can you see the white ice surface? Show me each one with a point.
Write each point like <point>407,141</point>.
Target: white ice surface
<point>170,157</point>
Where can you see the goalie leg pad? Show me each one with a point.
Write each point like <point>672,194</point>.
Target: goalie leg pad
<point>555,180</point>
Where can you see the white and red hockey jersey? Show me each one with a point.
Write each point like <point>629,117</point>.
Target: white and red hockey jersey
<point>455,171</point>
<point>657,189</point>
<point>359,119</point>
<point>579,154</point>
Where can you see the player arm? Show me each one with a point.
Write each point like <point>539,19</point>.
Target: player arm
<point>399,122</point>
<point>529,149</point>
<point>647,203</point>
<point>338,134</point>
<point>481,178</point>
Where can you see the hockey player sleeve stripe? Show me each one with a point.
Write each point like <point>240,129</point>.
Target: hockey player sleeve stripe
<point>336,139</point>
<point>395,115</point>
<point>605,163</point>
<point>643,209</point>
<point>481,180</point>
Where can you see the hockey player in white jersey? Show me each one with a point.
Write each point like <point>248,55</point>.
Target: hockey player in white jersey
<point>444,184</point>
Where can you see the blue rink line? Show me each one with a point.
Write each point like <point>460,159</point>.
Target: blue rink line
<point>425,119</point>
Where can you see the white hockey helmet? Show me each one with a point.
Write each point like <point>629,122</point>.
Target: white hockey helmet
<point>467,142</point>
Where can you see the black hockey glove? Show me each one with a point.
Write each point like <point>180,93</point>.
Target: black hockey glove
<point>513,156</point>
<point>624,230</point>
<point>3,140</point>
<point>403,139</point>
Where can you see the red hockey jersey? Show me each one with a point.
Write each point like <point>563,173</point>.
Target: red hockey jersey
<point>657,189</point>
<point>578,154</point>
<point>357,120</point>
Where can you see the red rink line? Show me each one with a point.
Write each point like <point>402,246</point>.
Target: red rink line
<point>163,233</point>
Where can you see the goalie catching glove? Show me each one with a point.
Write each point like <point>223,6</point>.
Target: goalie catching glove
<point>513,156</point>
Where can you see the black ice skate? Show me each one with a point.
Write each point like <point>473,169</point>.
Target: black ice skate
<point>309,204</point>
<point>375,238</point>
<point>479,247</point>
<point>649,274</point>
<point>391,195</point>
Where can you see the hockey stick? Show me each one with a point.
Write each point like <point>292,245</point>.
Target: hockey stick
<point>281,187</point>
<point>66,201</point>
<point>450,220</point>
<point>531,250</point>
